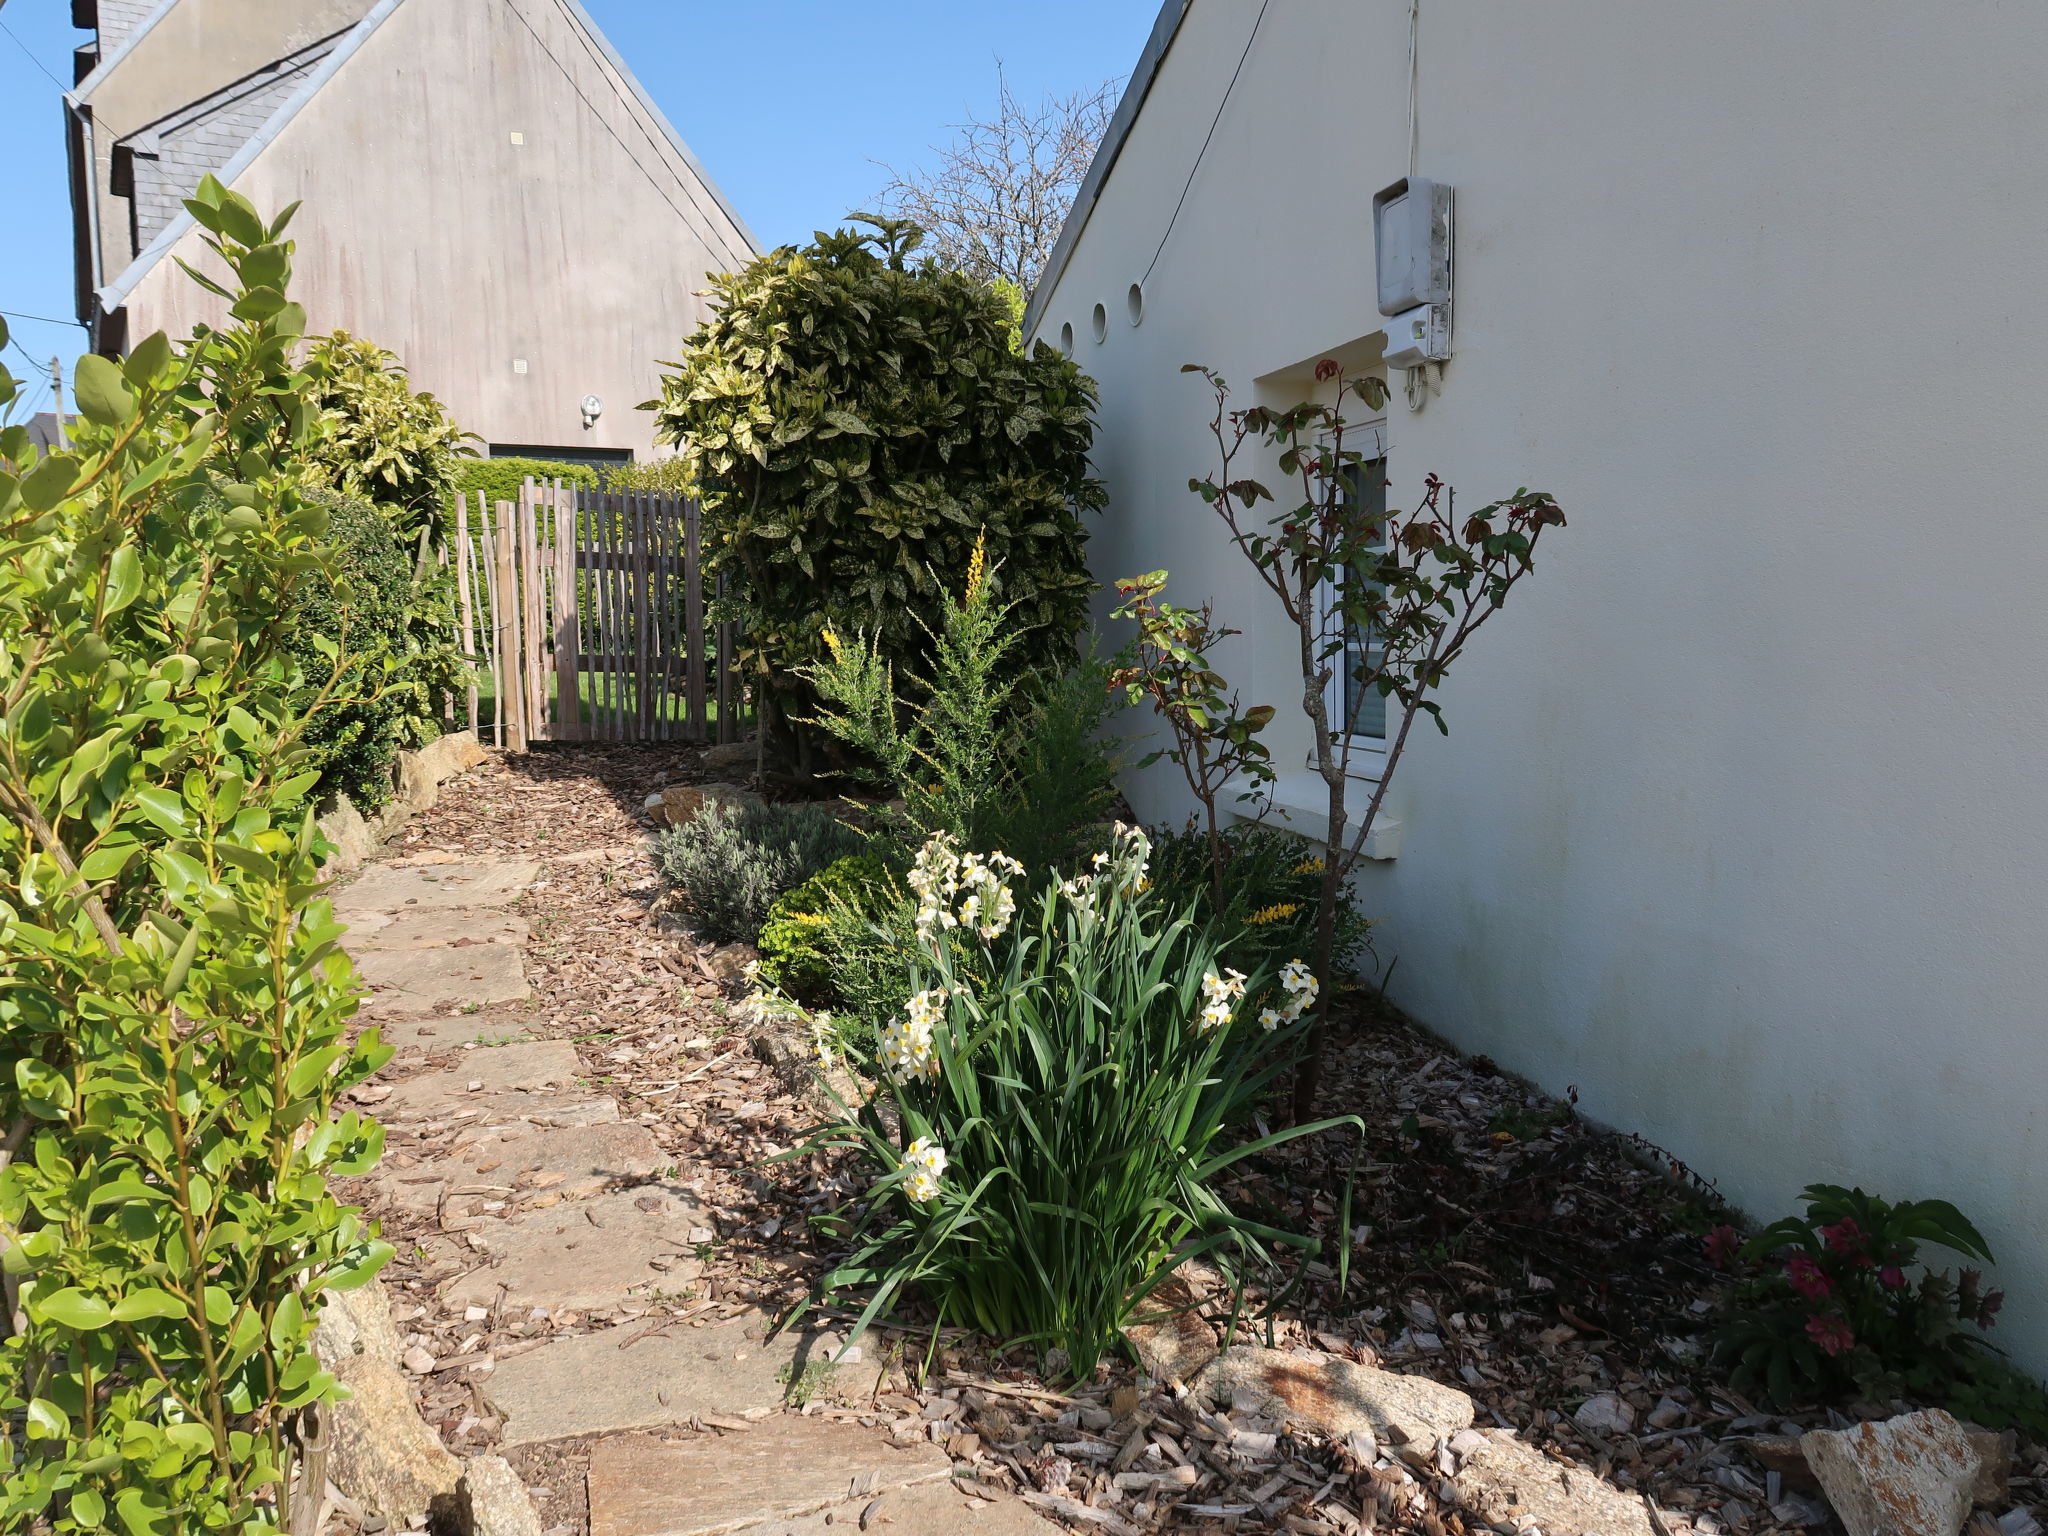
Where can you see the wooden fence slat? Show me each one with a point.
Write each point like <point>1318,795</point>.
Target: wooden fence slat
<point>487,644</point>
<point>512,684</point>
<point>636,527</point>
<point>568,639</point>
<point>694,636</point>
<point>608,620</point>
<point>463,566</point>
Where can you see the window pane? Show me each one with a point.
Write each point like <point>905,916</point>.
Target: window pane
<point>1364,708</point>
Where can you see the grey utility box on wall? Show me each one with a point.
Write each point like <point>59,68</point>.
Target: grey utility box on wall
<point>1411,232</point>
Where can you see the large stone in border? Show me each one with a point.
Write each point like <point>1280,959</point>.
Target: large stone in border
<point>587,1253</point>
<point>681,803</point>
<point>416,981</point>
<point>384,1456</point>
<point>1510,1484</point>
<point>783,1469</point>
<point>522,1164</point>
<point>728,755</point>
<point>531,1069</point>
<point>421,774</point>
<point>618,1379</point>
<point>492,1501</point>
<point>1334,1396</point>
<point>435,928</point>
<point>394,888</point>
<point>1173,1340</point>
<point>1908,1476</point>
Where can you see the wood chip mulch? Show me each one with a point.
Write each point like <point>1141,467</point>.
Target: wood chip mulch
<point>1497,1243</point>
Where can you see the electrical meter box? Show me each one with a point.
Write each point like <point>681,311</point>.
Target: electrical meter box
<point>1411,232</point>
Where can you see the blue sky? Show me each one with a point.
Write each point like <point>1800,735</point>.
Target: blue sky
<point>790,104</point>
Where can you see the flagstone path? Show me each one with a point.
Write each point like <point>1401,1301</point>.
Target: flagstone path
<point>527,1196</point>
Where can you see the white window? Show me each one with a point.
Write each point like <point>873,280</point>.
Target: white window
<point>1354,709</point>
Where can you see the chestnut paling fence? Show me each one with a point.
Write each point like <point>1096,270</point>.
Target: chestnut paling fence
<point>584,615</point>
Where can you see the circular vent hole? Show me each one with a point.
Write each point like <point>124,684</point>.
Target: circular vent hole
<point>1101,323</point>
<point>1134,301</point>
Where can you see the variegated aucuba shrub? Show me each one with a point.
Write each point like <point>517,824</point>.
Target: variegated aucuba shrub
<point>1057,1102</point>
<point>173,1009</point>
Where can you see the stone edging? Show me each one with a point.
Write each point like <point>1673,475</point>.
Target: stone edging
<point>416,781</point>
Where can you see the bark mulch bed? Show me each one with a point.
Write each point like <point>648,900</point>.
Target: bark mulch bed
<point>1497,1243</point>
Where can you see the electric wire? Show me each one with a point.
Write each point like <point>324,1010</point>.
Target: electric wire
<point>32,58</point>
<point>1188,185</point>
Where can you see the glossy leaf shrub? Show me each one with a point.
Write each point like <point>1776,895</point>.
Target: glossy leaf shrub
<point>173,1006</point>
<point>856,420</point>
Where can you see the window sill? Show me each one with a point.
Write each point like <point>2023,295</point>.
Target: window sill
<point>1300,804</point>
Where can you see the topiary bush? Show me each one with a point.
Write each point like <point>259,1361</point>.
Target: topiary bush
<point>389,616</point>
<point>731,863</point>
<point>856,421</point>
<point>379,438</point>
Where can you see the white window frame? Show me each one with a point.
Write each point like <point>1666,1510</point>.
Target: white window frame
<point>1368,759</point>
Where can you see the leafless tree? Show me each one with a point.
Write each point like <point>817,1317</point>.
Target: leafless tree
<point>994,202</point>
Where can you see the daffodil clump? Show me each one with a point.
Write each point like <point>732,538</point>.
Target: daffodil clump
<point>1301,986</point>
<point>1048,1129</point>
<point>1219,999</point>
<point>907,1041</point>
<point>1120,870</point>
<point>924,1165</point>
<point>962,890</point>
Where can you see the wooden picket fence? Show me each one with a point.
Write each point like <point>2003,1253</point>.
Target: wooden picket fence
<point>584,613</point>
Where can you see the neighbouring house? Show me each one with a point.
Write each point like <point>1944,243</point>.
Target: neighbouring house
<point>1741,826</point>
<point>486,190</point>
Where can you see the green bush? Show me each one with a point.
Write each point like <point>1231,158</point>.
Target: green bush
<point>731,864</point>
<point>1271,886</point>
<point>813,930</point>
<point>1058,1105</point>
<point>665,477</point>
<point>501,479</point>
<point>174,1006</point>
<point>856,421</point>
<point>1826,1308</point>
<point>390,616</point>
<point>378,438</point>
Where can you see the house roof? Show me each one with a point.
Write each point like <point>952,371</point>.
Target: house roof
<point>224,133</point>
<point>1164,29</point>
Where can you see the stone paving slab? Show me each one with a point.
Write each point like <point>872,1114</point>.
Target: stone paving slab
<point>783,1469</point>
<point>435,928</point>
<point>414,981</point>
<point>529,1167</point>
<point>531,1068</point>
<point>451,1032</point>
<point>586,1253</point>
<point>926,1509</point>
<point>390,888</point>
<point>601,1383</point>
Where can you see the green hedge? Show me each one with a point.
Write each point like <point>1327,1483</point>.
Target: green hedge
<point>500,479</point>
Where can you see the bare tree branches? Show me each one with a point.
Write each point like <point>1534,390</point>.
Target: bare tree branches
<point>994,203</point>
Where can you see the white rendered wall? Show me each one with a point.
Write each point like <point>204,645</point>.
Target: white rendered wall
<point>1742,824</point>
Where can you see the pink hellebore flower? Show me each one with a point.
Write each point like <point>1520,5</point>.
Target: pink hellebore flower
<point>1830,1333</point>
<point>1892,1277</point>
<point>1845,1237</point>
<point>1723,1243</point>
<point>1807,1277</point>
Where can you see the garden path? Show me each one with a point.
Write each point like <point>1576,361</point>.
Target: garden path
<point>573,1129</point>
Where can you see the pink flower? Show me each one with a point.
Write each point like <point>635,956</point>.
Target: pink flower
<point>1723,1243</point>
<point>1892,1277</point>
<point>1988,1313</point>
<point>1807,1277</point>
<point>1830,1333</point>
<point>1845,1237</point>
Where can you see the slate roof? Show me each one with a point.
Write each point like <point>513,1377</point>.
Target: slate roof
<point>117,18</point>
<point>172,154</point>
